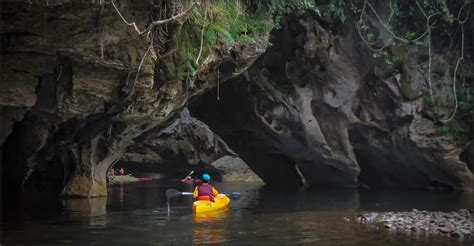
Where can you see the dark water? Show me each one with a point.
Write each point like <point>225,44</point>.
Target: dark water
<point>136,214</point>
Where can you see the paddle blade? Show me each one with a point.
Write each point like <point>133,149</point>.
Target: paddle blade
<point>171,193</point>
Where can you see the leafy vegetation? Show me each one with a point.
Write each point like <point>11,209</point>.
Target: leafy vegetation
<point>223,23</point>
<point>211,26</point>
<point>433,29</point>
<point>279,8</point>
<point>409,25</point>
<point>458,128</point>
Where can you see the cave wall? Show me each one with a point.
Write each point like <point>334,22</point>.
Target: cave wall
<point>318,108</point>
<point>187,144</point>
<point>73,98</point>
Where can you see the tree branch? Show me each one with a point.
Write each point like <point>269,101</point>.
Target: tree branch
<point>154,23</point>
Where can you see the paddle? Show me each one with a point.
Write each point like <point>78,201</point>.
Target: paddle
<point>172,193</point>
<point>188,179</point>
<point>190,173</point>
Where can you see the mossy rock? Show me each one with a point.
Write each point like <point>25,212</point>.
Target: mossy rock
<point>178,146</point>
<point>411,83</point>
<point>200,133</point>
<point>383,71</point>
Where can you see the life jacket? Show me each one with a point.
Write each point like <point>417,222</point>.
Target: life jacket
<point>205,190</point>
<point>203,198</point>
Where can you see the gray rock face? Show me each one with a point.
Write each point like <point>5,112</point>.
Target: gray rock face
<point>235,169</point>
<point>71,100</point>
<point>312,108</point>
<point>188,144</point>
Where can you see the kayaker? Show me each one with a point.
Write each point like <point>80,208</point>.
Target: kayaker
<point>205,191</point>
<point>118,172</point>
<point>189,180</point>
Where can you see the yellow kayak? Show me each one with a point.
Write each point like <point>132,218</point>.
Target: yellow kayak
<point>221,203</point>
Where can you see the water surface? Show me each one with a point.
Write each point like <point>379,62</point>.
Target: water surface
<point>136,214</point>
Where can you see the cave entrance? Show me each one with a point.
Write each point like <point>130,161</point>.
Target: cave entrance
<point>232,117</point>
<point>186,144</point>
<point>126,170</point>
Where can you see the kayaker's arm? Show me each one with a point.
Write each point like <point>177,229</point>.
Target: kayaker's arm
<point>214,192</point>
<point>196,192</point>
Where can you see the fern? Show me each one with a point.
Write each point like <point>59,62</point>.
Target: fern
<point>227,22</point>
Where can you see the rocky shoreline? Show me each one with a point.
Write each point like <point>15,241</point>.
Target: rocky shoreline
<point>121,179</point>
<point>452,224</point>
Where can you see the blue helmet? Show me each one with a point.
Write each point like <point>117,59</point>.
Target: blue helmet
<point>206,177</point>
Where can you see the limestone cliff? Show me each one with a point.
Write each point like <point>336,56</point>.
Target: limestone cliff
<point>188,144</point>
<point>79,85</point>
<point>82,84</point>
<point>317,108</point>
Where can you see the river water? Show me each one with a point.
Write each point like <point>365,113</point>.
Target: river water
<point>136,214</point>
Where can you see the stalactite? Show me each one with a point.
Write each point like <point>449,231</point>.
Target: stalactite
<point>218,84</point>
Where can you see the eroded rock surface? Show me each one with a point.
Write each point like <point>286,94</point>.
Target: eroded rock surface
<point>315,108</point>
<point>73,97</point>
<point>188,144</point>
<point>186,140</point>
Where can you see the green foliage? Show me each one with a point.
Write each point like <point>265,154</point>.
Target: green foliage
<point>216,24</point>
<point>370,36</point>
<point>337,8</point>
<point>447,15</point>
<point>279,8</point>
<point>457,128</point>
<point>219,23</point>
<point>409,35</point>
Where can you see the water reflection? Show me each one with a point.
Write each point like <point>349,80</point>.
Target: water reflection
<point>209,227</point>
<point>407,200</point>
<point>210,217</point>
<point>136,214</point>
<point>91,206</point>
<point>121,194</point>
<point>82,210</point>
<point>276,202</point>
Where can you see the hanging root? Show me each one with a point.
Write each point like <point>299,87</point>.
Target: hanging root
<point>202,38</point>
<point>143,59</point>
<point>154,23</point>
<point>218,82</point>
<point>461,22</point>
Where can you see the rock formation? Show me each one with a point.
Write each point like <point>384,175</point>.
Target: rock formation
<point>188,144</point>
<point>79,85</point>
<point>314,108</point>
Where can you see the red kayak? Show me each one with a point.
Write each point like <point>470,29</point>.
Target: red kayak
<point>144,179</point>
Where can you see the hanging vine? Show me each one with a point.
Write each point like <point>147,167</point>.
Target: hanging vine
<point>437,20</point>
<point>461,23</point>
